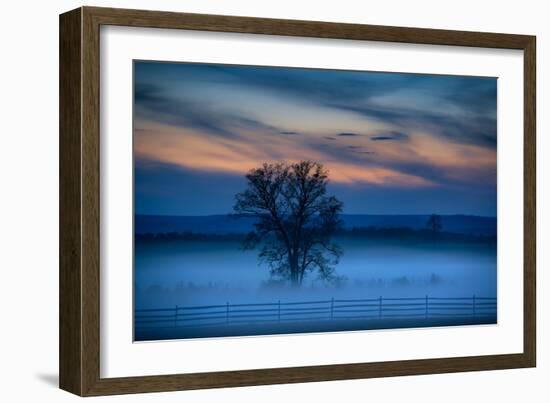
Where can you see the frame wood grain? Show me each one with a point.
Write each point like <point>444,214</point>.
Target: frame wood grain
<point>79,349</point>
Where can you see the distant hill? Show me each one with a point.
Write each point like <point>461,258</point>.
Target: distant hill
<point>224,224</point>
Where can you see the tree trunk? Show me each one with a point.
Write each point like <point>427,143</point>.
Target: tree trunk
<point>294,271</point>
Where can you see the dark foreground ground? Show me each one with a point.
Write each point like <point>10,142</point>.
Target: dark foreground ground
<point>257,329</point>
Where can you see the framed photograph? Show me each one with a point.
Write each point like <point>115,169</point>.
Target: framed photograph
<point>249,201</point>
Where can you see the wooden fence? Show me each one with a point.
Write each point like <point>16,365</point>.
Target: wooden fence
<point>331,309</point>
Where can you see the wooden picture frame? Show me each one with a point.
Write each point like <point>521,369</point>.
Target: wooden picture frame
<point>79,346</point>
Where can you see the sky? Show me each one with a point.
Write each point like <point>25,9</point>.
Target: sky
<point>393,143</point>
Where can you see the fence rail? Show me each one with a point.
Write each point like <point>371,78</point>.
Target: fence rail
<point>330,309</point>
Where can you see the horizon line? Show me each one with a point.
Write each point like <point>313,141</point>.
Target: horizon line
<point>346,214</point>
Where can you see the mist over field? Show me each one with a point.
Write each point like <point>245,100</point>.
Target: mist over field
<point>190,271</point>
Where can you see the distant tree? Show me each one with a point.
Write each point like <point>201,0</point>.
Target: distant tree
<point>296,219</point>
<point>434,223</point>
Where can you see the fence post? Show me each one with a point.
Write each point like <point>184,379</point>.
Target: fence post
<point>279,312</point>
<point>426,307</point>
<point>380,308</point>
<point>176,316</point>
<point>227,312</point>
<point>332,308</point>
<point>474,305</point>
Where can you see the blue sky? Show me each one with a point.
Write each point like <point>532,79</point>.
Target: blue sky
<point>393,143</point>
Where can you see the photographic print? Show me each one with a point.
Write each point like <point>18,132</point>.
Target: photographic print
<point>277,200</point>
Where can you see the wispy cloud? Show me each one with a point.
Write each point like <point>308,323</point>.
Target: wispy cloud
<point>461,109</point>
<point>152,103</point>
<point>390,136</point>
<point>194,150</point>
<point>421,131</point>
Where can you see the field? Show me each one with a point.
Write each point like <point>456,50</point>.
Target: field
<point>193,272</point>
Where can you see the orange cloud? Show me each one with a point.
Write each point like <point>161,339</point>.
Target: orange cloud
<point>456,161</point>
<point>200,151</point>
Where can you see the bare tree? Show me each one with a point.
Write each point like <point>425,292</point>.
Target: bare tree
<point>434,223</point>
<point>295,219</point>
